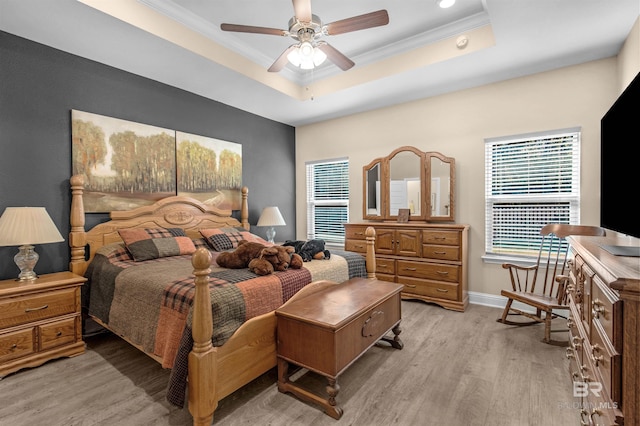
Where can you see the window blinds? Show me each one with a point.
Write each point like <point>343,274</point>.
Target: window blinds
<point>531,181</point>
<point>327,200</point>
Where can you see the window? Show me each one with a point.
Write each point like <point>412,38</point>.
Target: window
<point>327,200</point>
<point>530,180</point>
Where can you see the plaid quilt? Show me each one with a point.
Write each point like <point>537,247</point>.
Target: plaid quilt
<point>149,302</point>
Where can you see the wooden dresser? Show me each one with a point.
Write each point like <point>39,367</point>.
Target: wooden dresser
<point>430,260</point>
<point>604,327</point>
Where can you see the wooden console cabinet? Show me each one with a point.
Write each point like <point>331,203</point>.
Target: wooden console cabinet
<point>39,320</point>
<point>604,327</point>
<point>430,260</point>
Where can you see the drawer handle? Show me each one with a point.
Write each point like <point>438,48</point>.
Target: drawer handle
<point>15,345</point>
<point>596,359</point>
<point>359,233</point>
<point>442,290</point>
<point>410,269</point>
<point>358,246</point>
<point>597,308</point>
<point>439,252</point>
<point>577,340</point>
<point>442,272</point>
<point>440,238</point>
<point>39,308</point>
<point>410,286</point>
<point>569,353</point>
<point>59,333</point>
<point>383,265</point>
<point>584,422</point>
<point>595,412</point>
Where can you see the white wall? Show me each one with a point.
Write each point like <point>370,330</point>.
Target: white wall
<point>456,125</point>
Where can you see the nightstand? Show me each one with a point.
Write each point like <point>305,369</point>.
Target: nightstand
<point>39,320</point>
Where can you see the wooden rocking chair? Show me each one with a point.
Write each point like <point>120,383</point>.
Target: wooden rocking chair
<point>542,286</point>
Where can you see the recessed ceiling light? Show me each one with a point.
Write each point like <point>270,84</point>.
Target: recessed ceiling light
<point>445,3</point>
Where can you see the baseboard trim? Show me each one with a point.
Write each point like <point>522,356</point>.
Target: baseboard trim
<point>494,301</point>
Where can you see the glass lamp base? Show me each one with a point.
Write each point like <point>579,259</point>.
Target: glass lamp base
<point>271,234</point>
<point>26,260</point>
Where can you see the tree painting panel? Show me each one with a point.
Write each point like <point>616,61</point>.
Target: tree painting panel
<point>125,164</point>
<point>209,170</point>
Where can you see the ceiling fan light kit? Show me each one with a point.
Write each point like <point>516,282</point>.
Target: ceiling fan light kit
<point>307,30</point>
<point>306,56</point>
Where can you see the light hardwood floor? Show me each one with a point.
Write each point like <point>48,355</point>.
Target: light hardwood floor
<point>455,369</point>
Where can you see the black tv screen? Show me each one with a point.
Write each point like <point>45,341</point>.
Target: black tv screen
<point>620,165</point>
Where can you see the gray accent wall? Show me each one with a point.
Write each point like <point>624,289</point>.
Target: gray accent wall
<point>39,86</point>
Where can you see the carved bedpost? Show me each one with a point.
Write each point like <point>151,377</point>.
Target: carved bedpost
<point>244,210</point>
<point>370,234</point>
<point>202,358</point>
<point>77,237</point>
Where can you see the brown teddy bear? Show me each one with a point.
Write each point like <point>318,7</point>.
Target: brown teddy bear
<point>260,259</point>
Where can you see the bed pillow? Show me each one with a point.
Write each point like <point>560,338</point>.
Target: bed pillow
<point>155,243</point>
<point>221,239</point>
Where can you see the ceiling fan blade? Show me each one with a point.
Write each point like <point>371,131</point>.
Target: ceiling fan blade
<point>282,60</point>
<point>335,56</point>
<point>302,10</point>
<point>360,22</point>
<point>253,30</point>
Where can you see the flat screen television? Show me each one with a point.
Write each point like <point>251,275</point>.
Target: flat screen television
<point>620,163</point>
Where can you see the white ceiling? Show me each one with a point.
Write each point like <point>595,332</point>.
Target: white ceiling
<point>179,42</point>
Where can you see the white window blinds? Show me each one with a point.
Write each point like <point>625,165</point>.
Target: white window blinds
<point>327,200</point>
<point>531,180</point>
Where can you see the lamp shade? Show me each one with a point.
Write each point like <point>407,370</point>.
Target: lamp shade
<point>271,216</point>
<point>27,225</point>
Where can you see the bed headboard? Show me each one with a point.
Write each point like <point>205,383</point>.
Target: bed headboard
<point>171,212</point>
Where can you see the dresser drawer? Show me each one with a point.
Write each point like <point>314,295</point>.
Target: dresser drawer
<point>385,266</point>
<point>57,333</point>
<point>432,251</point>
<point>358,246</point>
<point>447,238</point>
<point>430,271</point>
<point>599,410</point>
<point>605,361</point>
<point>440,290</point>
<point>25,309</point>
<point>17,344</point>
<point>355,232</point>
<point>606,311</point>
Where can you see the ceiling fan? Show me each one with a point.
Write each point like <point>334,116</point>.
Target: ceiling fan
<point>307,29</point>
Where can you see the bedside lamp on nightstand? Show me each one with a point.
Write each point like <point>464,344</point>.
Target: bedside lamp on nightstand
<point>25,226</point>
<point>271,217</point>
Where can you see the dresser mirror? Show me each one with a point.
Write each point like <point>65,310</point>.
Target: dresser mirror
<point>408,178</point>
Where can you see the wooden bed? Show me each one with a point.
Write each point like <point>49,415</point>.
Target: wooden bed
<point>213,372</point>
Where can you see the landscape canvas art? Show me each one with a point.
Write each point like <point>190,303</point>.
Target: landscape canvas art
<point>209,170</point>
<point>125,164</point>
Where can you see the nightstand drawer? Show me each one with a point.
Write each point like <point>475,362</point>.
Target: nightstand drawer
<point>24,309</point>
<point>16,344</point>
<point>57,333</point>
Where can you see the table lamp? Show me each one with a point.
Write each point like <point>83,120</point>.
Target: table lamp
<point>271,217</point>
<point>25,226</point>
